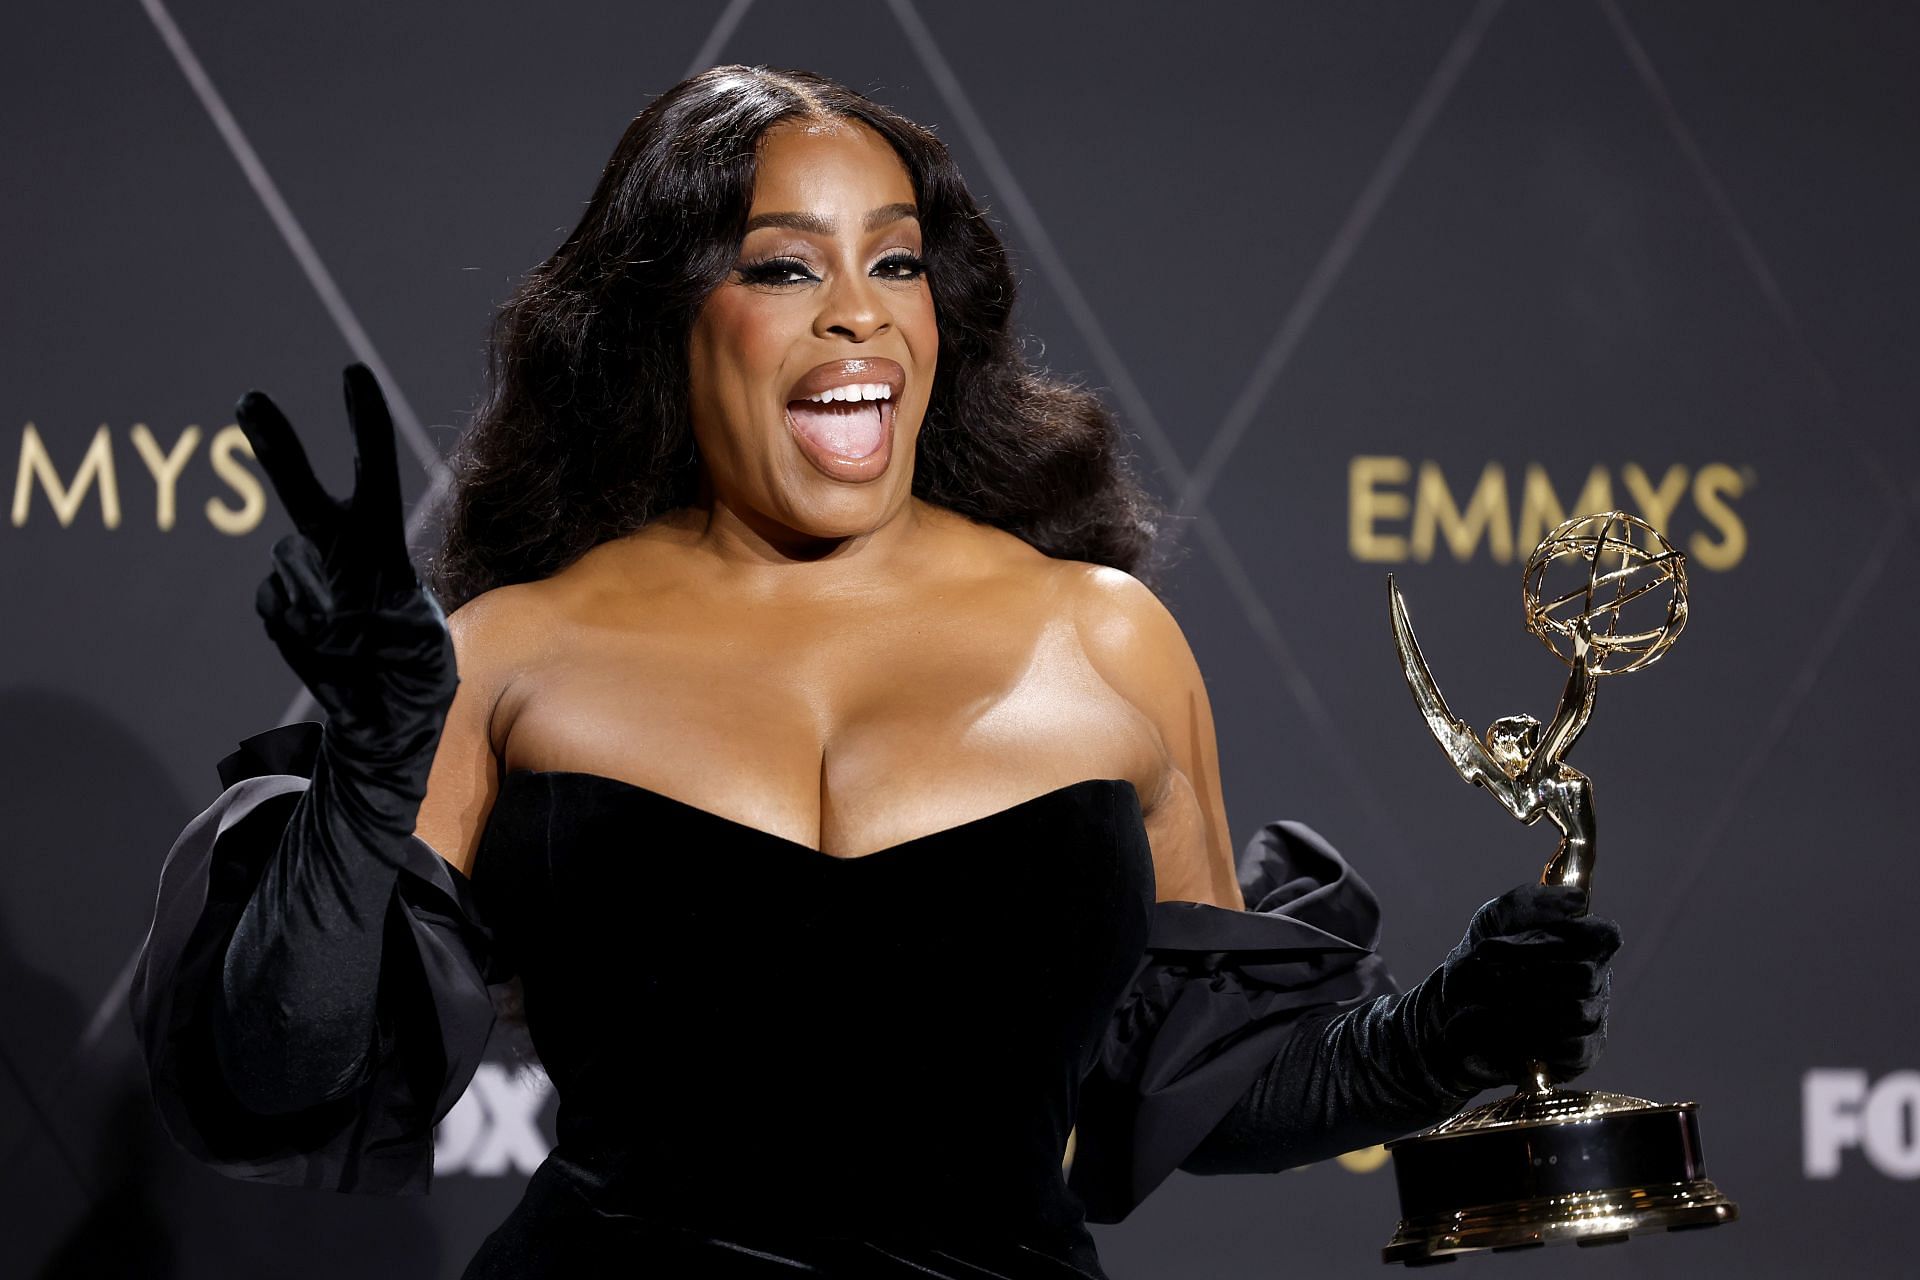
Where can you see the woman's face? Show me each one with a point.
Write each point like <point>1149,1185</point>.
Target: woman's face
<point>829,298</point>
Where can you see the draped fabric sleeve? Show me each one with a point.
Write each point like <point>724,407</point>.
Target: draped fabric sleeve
<point>434,1008</point>
<point>1217,994</point>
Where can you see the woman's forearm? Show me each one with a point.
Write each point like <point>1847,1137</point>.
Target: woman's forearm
<point>1527,982</point>
<point>1340,1082</point>
<point>295,1023</point>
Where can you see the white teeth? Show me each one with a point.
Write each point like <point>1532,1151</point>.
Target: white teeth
<point>855,391</point>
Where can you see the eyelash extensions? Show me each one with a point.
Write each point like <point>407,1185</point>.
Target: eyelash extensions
<point>769,270</point>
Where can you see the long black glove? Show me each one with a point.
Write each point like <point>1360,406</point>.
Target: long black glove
<point>1528,981</point>
<point>296,1021</point>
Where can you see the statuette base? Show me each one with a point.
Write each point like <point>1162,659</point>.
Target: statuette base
<point>1553,1167</point>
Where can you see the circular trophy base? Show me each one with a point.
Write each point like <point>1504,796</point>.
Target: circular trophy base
<point>1551,1168</point>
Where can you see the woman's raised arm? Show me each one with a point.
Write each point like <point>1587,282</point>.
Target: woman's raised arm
<point>314,992</point>
<point>295,1023</point>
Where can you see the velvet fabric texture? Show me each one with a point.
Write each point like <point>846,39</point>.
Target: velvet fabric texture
<point>770,1060</point>
<point>758,1041</point>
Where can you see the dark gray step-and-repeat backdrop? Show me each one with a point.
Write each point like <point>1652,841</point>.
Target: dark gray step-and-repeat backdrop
<point>1376,286</point>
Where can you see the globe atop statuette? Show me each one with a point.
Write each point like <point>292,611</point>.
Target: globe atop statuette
<point>1620,576</point>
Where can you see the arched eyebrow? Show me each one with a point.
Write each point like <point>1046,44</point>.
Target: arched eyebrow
<point>816,225</point>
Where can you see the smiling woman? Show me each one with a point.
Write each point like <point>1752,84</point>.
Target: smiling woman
<point>830,265</point>
<point>806,748</point>
<point>750,225</point>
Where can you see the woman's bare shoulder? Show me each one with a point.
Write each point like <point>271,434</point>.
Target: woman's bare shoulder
<point>1127,630</point>
<point>975,548</point>
<point>506,631</point>
<point>1133,640</point>
<point>1123,625</point>
<point>519,617</point>
<point>498,622</point>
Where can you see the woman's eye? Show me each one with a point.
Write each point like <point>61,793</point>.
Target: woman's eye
<point>774,271</point>
<point>903,266</point>
<point>783,271</point>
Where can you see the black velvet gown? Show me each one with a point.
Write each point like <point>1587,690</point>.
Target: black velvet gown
<point>771,1061</point>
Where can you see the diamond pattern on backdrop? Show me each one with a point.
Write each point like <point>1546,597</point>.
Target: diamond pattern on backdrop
<point>1246,582</point>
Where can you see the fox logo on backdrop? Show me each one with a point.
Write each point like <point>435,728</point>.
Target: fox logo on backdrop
<point>498,1127</point>
<point>1846,1111</point>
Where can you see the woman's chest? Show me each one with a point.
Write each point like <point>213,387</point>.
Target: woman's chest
<point>842,735</point>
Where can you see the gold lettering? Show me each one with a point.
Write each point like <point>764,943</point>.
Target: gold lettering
<point>165,468</point>
<point>37,464</point>
<point>1540,509</point>
<point>228,441</point>
<point>1656,503</point>
<point>1487,513</point>
<point>1712,484</point>
<point>1379,495</point>
<point>1367,504</point>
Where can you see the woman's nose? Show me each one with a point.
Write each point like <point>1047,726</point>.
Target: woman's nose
<point>852,307</point>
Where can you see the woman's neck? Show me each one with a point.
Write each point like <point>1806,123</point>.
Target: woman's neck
<point>759,555</point>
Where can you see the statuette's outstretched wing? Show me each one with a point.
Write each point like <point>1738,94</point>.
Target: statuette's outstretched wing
<point>1469,755</point>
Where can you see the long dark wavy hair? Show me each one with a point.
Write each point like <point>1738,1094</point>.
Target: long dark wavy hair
<point>584,433</point>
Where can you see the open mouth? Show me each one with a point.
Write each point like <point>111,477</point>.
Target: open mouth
<point>846,422</point>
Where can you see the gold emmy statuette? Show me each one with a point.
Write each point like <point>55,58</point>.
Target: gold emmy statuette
<point>1608,595</point>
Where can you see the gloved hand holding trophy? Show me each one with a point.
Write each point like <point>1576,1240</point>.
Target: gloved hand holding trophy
<point>1608,594</point>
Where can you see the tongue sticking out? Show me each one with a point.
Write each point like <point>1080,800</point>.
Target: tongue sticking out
<point>852,429</point>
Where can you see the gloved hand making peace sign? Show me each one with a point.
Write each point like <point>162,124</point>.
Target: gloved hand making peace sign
<point>298,1019</point>
<point>343,603</point>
